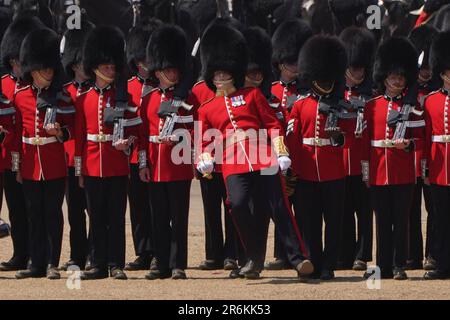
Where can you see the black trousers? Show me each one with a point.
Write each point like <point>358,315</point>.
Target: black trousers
<point>279,250</point>
<point>18,217</point>
<point>392,205</point>
<point>76,211</point>
<point>317,202</point>
<point>415,249</point>
<point>356,246</point>
<point>169,202</point>
<point>44,201</point>
<point>107,203</point>
<point>255,197</point>
<point>441,236</point>
<point>214,196</point>
<point>140,216</point>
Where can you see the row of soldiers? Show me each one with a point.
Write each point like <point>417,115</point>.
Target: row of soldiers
<point>340,148</point>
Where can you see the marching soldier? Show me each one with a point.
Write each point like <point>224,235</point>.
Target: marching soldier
<point>10,50</point>
<point>168,151</point>
<point>421,37</point>
<point>41,130</point>
<point>72,43</point>
<point>355,253</point>
<point>319,162</point>
<point>220,252</point>
<point>138,86</point>
<point>437,166</point>
<point>103,135</point>
<point>237,112</point>
<point>287,41</point>
<point>393,122</point>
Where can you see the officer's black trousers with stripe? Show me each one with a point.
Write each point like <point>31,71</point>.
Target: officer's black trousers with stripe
<point>17,216</point>
<point>169,202</point>
<point>392,205</point>
<point>76,212</point>
<point>141,222</point>
<point>214,196</point>
<point>107,203</point>
<point>44,201</point>
<point>255,197</point>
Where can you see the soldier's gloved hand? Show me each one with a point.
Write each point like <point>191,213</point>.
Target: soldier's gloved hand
<point>121,145</point>
<point>284,162</point>
<point>205,167</point>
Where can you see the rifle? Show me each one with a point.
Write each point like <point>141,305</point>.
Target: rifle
<point>332,110</point>
<point>50,116</point>
<point>169,111</point>
<point>118,131</point>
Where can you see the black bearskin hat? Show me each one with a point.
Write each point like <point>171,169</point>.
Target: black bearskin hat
<point>223,48</point>
<point>323,58</point>
<point>72,46</point>
<point>39,50</point>
<point>395,55</point>
<point>422,37</point>
<point>103,45</point>
<point>287,41</point>
<point>260,55</point>
<point>13,37</point>
<point>360,46</point>
<point>440,53</point>
<point>168,48</point>
<point>137,40</point>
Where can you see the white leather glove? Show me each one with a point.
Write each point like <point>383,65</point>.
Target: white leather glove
<point>205,166</point>
<point>284,162</point>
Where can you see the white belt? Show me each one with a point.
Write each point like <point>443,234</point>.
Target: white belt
<point>99,137</point>
<point>154,139</point>
<point>382,143</point>
<point>319,142</point>
<point>39,141</point>
<point>443,139</point>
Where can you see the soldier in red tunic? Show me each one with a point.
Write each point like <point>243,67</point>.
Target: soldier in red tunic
<point>71,46</point>
<point>436,169</point>
<point>319,162</point>
<point>234,117</point>
<point>139,86</point>
<point>103,135</point>
<point>40,131</point>
<point>10,49</point>
<point>287,41</point>
<point>388,152</point>
<point>421,37</point>
<point>354,251</point>
<point>168,151</point>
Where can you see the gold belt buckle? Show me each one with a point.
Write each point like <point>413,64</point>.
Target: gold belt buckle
<point>36,141</point>
<point>101,137</point>
<point>446,138</point>
<point>318,142</point>
<point>388,143</point>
